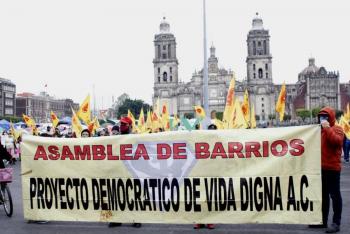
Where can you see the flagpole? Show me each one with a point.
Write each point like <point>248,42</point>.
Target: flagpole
<point>93,94</point>
<point>205,67</point>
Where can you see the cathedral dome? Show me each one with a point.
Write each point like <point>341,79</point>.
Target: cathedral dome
<point>311,68</point>
<point>257,23</point>
<point>164,26</point>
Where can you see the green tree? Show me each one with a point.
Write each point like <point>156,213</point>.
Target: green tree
<point>272,116</point>
<point>287,117</point>
<point>338,113</point>
<point>189,115</point>
<point>303,113</point>
<point>219,115</point>
<point>120,100</point>
<point>12,119</point>
<point>315,111</point>
<point>134,106</point>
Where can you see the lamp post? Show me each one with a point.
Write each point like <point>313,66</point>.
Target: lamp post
<point>205,67</point>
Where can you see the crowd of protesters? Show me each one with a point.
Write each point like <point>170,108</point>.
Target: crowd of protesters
<point>333,142</point>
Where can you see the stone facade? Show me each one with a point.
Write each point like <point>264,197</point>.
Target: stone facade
<point>40,106</point>
<point>259,70</point>
<point>180,96</point>
<point>316,87</point>
<point>7,97</point>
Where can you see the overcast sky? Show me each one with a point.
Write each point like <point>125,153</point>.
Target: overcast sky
<point>72,45</point>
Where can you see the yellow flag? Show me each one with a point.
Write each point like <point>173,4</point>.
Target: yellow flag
<point>148,121</point>
<point>14,133</point>
<point>281,102</point>
<point>76,125</point>
<point>93,126</point>
<point>97,124</point>
<point>229,107</point>
<point>176,121</point>
<point>238,117</point>
<point>345,125</point>
<point>156,122</point>
<point>252,118</point>
<point>84,112</point>
<point>165,120</point>
<point>29,121</point>
<point>347,113</point>
<point>156,107</point>
<point>200,113</point>
<point>54,119</point>
<point>219,124</point>
<point>141,123</point>
<point>132,117</point>
<point>245,107</point>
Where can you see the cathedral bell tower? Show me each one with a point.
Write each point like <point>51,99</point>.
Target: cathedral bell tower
<point>259,69</point>
<point>165,65</point>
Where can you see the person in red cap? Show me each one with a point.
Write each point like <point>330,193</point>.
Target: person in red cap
<point>125,128</point>
<point>125,125</point>
<point>331,148</point>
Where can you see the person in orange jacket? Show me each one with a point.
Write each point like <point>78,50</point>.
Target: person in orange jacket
<point>331,149</point>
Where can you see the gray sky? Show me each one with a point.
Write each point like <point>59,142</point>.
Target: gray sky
<point>71,45</point>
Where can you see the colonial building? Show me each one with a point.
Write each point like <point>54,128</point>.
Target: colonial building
<point>316,87</point>
<point>7,97</point>
<point>180,96</point>
<point>259,70</point>
<point>40,106</point>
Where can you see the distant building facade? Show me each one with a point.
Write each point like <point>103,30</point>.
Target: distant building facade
<point>316,87</point>
<point>40,106</point>
<point>179,96</point>
<point>7,97</point>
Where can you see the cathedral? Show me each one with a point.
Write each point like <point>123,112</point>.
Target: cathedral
<point>316,87</point>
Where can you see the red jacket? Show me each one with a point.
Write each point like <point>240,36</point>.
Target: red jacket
<point>331,142</point>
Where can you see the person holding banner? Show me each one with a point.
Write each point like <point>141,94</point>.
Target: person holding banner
<point>331,148</point>
<point>125,128</point>
<point>115,130</point>
<point>209,226</point>
<point>346,148</point>
<point>4,155</point>
<point>85,133</point>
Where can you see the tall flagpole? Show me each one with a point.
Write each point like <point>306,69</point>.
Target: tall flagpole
<point>205,67</point>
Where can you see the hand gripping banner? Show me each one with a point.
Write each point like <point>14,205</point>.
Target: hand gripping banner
<point>226,176</point>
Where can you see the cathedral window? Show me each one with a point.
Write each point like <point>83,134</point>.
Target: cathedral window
<point>259,43</point>
<point>164,56</point>
<point>158,51</point>
<point>254,48</point>
<point>266,66</point>
<point>260,73</point>
<point>169,51</point>
<point>165,77</point>
<point>265,48</point>
<point>267,75</point>
<point>262,99</point>
<point>158,70</point>
<point>254,75</point>
<point>171,70</point>
<point>171,78</point>
<point>254,67</point>
<point>262,105</point>
<point>164,47</point>
<point>158,79</point>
